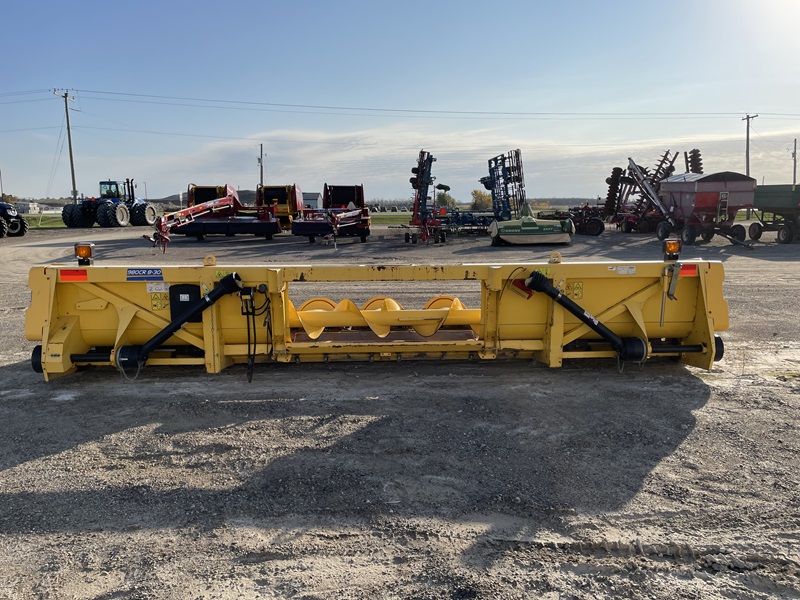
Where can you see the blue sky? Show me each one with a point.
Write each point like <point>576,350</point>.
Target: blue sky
<point>344,92</point>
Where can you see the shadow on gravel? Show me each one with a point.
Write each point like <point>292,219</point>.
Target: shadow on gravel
<point>368,443</point>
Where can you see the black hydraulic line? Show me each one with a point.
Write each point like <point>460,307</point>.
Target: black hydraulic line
<point>628,349</point>
<point>137,355</point>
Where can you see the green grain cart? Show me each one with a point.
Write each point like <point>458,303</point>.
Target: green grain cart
<point>777,208</point>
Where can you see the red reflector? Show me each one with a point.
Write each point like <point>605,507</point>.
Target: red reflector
<point>73,275</point>
<point>688,270</point>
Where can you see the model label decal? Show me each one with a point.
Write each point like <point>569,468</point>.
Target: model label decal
<point>145,275</point>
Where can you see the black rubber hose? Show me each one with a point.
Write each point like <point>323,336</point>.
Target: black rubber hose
<point>628,349</point>
<point>128,356</point>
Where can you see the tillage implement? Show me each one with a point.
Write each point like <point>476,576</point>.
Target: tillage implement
<point>218,315</point>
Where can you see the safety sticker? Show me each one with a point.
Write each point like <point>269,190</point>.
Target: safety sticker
<point>574,290</point>
<point>145,275</point>
<point>159,301</point>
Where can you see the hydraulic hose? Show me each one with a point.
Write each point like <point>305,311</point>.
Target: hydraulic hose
<point>628,349</point>
<point>136,356</point>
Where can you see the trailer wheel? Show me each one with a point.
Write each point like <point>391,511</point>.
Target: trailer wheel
<point>311,239</point>
<point>755,230</point>
<point>364,239</point>
<point>413,238</point>
<point>688,235</point>
<point>407,237</point>
<point>643,227</point>
<point>443,236</point>
<point>738,232</point>
<point>200,237</point>
<point>707,236</point>
<point>662,231</point>
<point>268,236</point>
<point>785,234</point>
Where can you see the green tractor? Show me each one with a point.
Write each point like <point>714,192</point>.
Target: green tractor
<point>116,206</point>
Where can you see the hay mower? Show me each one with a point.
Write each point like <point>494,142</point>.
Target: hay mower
<point>344,213</point>
<point>215,210</point>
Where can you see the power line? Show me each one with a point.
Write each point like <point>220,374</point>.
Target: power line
<point>409,110</point>
<point>5,94</point>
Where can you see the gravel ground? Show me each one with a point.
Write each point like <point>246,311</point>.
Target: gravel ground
<point>423,480</point>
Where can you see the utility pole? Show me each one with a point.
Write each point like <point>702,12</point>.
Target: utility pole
<point>748,118</point>
<point>69,138</point>
<point>261,163</point>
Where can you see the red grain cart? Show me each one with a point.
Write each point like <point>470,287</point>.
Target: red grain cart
<point>705,205</point>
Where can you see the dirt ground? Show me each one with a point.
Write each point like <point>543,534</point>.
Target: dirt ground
<point>412,479</point>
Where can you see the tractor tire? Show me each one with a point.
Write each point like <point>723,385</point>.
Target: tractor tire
<point>143,215</point>
<point>72,215</point>
<point>17,227</point>
<point>150,215</point>
<point>785,234</point>
<point>755,231</point>
<point>66,215</point>
<point>594,227</point>
<point>707,236</point>
<point>105,215</point>
<point>688,235</point>
<point>122,216</point>
<point>663,230</point>
<point>137,215</point>
<point>3,227</point>
<point>738,233</point>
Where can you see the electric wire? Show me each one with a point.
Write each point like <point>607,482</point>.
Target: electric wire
<point>57,157</point>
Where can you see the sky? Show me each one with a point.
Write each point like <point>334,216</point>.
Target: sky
<point>349,91</point>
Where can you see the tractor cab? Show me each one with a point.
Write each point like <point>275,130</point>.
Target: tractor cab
<point>112,189</point>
